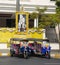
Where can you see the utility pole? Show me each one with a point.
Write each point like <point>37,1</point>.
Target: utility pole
<point>17,5</point>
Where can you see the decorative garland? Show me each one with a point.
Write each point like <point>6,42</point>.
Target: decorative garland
<point>7,29</point>
<point>32,31</point>
<point>29,31</point>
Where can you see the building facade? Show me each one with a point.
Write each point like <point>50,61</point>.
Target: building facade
<point>29,5</point>
<point>8,10</point>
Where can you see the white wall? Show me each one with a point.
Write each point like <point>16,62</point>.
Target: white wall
<point>54,46</point>
<point>40,2</point>
<point>3,46</point>
<point>10,5</point>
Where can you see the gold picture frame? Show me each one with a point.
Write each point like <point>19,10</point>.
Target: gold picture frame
<point>22,22</point>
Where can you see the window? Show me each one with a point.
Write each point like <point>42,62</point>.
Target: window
<point>31,23</point>
<point>10,23</point>
<point>7,23</point>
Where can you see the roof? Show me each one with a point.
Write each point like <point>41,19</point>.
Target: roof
<point>29,39</point>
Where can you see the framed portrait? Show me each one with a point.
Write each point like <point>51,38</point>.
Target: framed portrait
<point>21,23</point>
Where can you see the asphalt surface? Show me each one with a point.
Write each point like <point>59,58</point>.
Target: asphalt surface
<point>30,61</point>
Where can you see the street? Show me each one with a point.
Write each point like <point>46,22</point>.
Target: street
<point>30,61</point>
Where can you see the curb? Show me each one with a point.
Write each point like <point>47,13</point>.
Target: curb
<point>4,54</point>
<point>55,56</point>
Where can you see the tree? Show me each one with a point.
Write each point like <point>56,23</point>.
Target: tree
<point>58,11</point>
<point>41,16</point>
<point>39,13</point>
<point>58,17</point>
<point>43,19</point>
<point>58,3</point>
<point>33,15</point>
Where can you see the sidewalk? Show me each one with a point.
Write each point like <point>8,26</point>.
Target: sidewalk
<point>55,56</point>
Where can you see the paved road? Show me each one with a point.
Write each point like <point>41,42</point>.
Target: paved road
<point>30,61</point>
